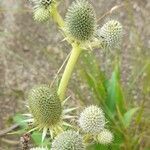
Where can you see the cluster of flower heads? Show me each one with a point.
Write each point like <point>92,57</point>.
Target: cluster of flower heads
<point>47,113</point>
<point>80,23</point>
<point>92,121</point>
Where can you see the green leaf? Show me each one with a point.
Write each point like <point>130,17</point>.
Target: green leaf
<point>19,119</point>
<point>98,146</point>
<point>37,139</point>
<point>115,97</point>
<point>127,118</point>
<point>94,77</point>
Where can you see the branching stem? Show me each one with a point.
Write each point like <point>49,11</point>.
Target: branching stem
<point>57,17</point>
<point>68,70</point>
<point>76,50</point>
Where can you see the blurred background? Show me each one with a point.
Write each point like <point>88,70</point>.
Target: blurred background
<point>31,53</point>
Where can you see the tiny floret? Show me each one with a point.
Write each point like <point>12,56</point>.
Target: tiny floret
<point>105,137</point>
<point>45,106</point>
<point>110,34</point>
<point>68,140</point>
<point>92,120</point>
<point>80,20</point>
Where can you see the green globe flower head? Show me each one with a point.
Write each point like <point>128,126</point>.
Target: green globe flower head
<point>45,105</point>
<point>110,34</point>
<point>92,120</point>
<point>46,111</point>
<point>42,10</point>
<point>45,3</point>
<point>41,14</point>
<point>105,137</point>
<point>38,148</point>
<point>68,140</point>
<point>80,20</point>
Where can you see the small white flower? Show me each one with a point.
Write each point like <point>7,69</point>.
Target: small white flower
<point>92,120</point>
<point>110,34</point>
<point>68,140</point>
<point>105,137</point>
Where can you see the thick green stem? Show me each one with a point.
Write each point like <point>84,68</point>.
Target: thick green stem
<point>68,71</point>
<point>56,17</point>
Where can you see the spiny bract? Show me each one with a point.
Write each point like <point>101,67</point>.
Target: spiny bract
<point>80,20</point>
<point>110,34</point>
<point>105,137</point>
<point>68,140</point>
<point>92,120</point>
<point>45,106</point>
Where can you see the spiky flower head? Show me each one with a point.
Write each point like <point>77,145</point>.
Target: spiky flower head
<point>41,14</point>
<point>42,10</point>
<point>92,120</point>
<point>46,111</point>
<point>105,137</point>
<point>68,140</point>
<point>38,148</point>
<point>45,105</point>
<point>80,20</point>
<point>110,34</point>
